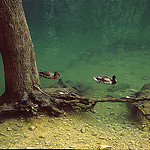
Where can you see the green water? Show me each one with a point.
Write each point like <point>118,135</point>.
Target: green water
<point>86,38</point>
<point>82,39</point>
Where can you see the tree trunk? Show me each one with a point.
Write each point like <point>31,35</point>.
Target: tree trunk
<point>17,50</point>
<point>22,87</point>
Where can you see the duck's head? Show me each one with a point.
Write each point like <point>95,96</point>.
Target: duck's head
<point>114,79</point>
<point>57,73</point>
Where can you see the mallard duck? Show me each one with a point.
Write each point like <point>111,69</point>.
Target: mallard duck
<point>49,75</point>
<point>106,80</point>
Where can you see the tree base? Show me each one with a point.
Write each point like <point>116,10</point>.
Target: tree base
<point>56,101</point>
<point>39,100</point>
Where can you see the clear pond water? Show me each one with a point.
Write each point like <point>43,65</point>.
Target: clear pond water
<point>85,38</point>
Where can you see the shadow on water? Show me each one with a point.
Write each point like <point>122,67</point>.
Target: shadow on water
<point>135,114</point>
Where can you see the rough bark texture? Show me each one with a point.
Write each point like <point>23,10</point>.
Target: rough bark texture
<point>16,49</point>
<point>21,74</point>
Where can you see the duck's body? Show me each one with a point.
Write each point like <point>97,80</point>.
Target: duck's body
<point>105,79</point>
<point>49,75</point>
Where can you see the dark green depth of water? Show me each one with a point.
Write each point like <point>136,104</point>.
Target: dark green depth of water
<point>86,38</point>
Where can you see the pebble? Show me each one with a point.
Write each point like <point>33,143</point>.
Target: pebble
<point>61,93</point>
<point>101,137</point>
<point>105,147</point>
<point>3,134</point>
<point>97,117</point>
<point>32,128</point>
<point>86,125</point>
<point>30,148</point>
<point>38,117</point>
<point>122,134</point>
<point>9,129</point>
<point>37,143</point>
<point>94,133</point>
<point>132,142</point>
<point>26,136</point>
<point>83,130</point>
<point>19,125</point>
<point>47,142</point>
<point>15,129</point>
<point>17,135</point>
<point>41,136</point>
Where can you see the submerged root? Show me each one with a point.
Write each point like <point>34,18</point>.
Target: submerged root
<point>56,102</point>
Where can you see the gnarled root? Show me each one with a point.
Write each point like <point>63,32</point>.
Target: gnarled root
<point>56,102</point>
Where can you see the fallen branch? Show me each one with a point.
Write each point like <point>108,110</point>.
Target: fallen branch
<point>71,96</point>
<point>74,100</point>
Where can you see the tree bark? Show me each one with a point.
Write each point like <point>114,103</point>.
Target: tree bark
<point>22,87</point>
<point>17,50</point>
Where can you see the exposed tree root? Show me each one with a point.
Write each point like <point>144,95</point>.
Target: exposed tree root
<point>57,102</point>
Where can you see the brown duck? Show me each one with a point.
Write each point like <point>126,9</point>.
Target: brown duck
<point>106,80</point>
<point>49,75</point>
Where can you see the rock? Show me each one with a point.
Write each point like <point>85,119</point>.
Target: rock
<point>87,124</point>
<point>148,116</point>
<point>104,147</point>
<point>68,134</point>
<point>3,134</point>
<point>101,137</point>
<point>62,84</point>
<point>146,129</point>
<point>94,133</point>
<point>146,87</point>
<point>113,95</point>
<point>46,142</point>
<point>38,117</point>
<point>19,125</point>
<point>119,87</point>
<point>142,93</point>
<point>9,129</point>
<point>32,128</point>
<point>83,130</point>
<point>98,117</point>
<point>25,136</point>
<point>30,148</point>
<point>122,134</point>
<point>79,87</point>
<point>41,136</point>
<point>17,135</point>
<point>143,106</point>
